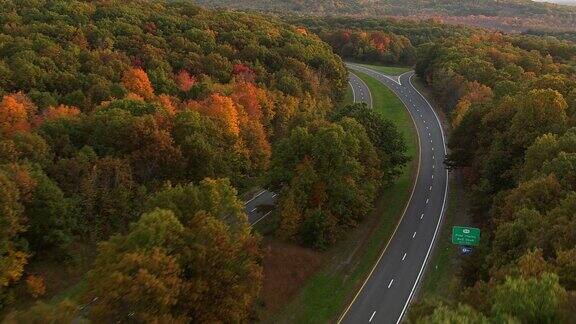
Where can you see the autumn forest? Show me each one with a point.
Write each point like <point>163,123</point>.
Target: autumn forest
<point>132,133</point>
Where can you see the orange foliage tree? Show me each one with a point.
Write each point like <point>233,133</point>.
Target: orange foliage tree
<point>247,98</point>
<point>219,107</point>
<point>61,111</point>
<point>13,115</point>
<point>475,92</point>
<point>35,286</point>
<point>380,41</point>
<point>136,80</point>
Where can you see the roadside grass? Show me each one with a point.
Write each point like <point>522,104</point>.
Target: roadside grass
<point>439,280</point>
<point>64,278</point>
<point>348,97</point>
<point>390,107</point>
<point>390,70</point>
<point>326,294</point>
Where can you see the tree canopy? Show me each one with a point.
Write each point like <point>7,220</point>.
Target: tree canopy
<point>510,101</point>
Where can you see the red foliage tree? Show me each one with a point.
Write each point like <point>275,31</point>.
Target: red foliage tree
<point>245,95</point>
<point>244,73</point>
<point>184,80</point>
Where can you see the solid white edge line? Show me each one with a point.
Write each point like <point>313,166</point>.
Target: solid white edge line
<point>397,224</point>
<point>370,105</point>
<point>257,195</point>
<point>441,211</point>
<point>259,219</point>
<point>400,77</point>
<point>360,66</point>
<point>353,92</point>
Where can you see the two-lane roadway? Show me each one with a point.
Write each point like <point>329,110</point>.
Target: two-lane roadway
<point>255,206</point>
<point>360,91</point>
<point>386,294</point>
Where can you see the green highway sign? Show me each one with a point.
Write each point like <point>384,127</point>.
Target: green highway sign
<point>465,235</point>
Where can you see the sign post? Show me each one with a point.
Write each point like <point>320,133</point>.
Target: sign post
<point>468,236</point>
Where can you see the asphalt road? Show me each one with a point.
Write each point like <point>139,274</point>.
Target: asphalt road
<point>360,91</point>
<point>260,206</point>
<point>392,283</point>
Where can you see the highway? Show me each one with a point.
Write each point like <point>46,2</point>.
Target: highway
<point>260,206</point>
<point>392,283</point>
<point>360,91</point>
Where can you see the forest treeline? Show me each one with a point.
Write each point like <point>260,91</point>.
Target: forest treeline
<point>512,103</point>
<point>510,15</point>
<point>131,126</point>
<point>380,41</point>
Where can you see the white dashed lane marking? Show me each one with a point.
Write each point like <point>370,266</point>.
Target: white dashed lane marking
<point>371,317</point>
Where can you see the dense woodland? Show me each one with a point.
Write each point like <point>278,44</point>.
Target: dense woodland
<point>130,130</point>
<point>512,103</point>
<point>509,15</point>
<point>381,41</point>
<point>132,127</point>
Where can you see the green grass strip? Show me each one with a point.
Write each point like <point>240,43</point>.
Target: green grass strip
<point>390,70</point>
<point>348,97</point>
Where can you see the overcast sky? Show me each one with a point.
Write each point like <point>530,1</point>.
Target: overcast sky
<point>570,2</point>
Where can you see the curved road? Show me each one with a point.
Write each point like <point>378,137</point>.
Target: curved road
<point>385,295</point>
<point>360,91</point>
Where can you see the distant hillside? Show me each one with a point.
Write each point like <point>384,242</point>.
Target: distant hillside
<point>509,15</point>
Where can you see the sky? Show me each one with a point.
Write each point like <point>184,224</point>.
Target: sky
<point>568,2</point>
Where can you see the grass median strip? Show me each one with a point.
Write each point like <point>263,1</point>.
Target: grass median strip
<point>349,96</point>
<point>390,70</point>
<point>325,295</point>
